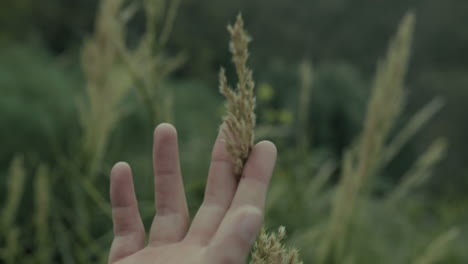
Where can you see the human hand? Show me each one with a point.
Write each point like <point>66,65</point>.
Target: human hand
<point>224,227</point>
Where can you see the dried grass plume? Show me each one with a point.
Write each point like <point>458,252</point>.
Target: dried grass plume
<point>362,161</point>
<point>240,103</point>
<point>269,249</point>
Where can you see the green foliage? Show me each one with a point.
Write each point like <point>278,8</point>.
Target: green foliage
<point>37,103</point>
<point>413,221</point>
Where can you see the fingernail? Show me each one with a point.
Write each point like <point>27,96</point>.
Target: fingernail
<point>250,224</point>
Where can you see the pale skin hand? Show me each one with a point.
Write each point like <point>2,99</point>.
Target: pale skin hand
<point>224,227</point>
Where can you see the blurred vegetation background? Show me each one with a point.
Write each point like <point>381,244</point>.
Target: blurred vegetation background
<point>82,87</point>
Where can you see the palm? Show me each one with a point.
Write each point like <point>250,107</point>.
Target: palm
<point>223,229</point>
<point>192,254</point>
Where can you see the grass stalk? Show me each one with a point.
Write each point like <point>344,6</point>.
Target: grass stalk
<point>41,220</point>
<point>436,250</point>
<point>420,171</point>
<point>362,160</point>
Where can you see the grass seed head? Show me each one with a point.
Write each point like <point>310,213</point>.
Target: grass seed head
<point>240,103</point>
